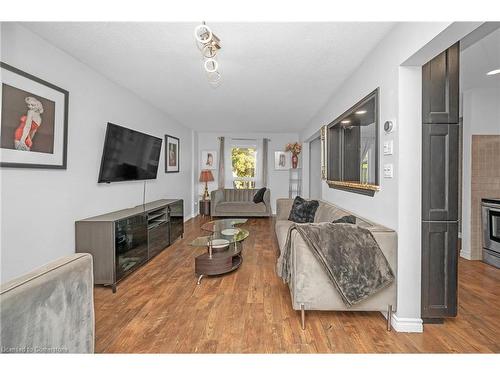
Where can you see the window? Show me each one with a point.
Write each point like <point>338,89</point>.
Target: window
<point>243,162</point>
<point>353,148</point>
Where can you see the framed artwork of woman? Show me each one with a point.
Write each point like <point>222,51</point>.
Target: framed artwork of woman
<point>208,160</point>
<point>172,152</point>
<point>34,121</point>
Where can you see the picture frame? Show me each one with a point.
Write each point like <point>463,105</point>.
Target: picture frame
<point>208,160</point>
<point>172,154</point>
<point>324,152</point>
<point>281,160</point>
<point>33,121</point>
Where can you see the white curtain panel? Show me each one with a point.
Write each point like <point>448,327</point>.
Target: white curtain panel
<point>265,146</point>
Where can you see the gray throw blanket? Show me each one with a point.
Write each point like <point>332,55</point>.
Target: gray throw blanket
<point>349,254</point>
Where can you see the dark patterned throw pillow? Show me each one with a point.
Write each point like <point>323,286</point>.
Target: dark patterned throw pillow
<point>259,195</point>
<point>303,211</point>
<point>349,219</point>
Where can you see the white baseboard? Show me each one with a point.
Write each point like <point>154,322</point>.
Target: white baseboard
<point>411,325</point>
<point>407,324</point>
<point>465,254</point>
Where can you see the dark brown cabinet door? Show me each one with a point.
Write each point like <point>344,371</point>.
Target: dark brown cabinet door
<point>439,269</point>
<point>176,220</point>
<point>440,88</point>
<point>440,172</point>
<point>440,145</point>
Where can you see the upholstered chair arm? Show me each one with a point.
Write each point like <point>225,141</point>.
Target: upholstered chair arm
<point>267,201</point>
<point>216,196</point>
<point>283,207</point>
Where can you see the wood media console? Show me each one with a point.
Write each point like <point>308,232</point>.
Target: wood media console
<point>122,241</point>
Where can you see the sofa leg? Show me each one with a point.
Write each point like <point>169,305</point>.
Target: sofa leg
<point>389,317</point>
<point>303,315</point>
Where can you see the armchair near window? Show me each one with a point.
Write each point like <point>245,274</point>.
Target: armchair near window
<point>239,202</point>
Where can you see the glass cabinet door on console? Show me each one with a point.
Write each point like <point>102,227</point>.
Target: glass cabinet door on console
<point>159,238</point>
<point>131,244</point>
<point>176,220</point>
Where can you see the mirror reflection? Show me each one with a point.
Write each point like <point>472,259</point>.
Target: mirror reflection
<point>353,144</point>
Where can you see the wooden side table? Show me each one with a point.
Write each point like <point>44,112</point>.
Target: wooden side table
<point>204,207</point>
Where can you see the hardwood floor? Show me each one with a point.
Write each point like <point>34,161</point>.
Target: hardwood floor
<point>160,309</point>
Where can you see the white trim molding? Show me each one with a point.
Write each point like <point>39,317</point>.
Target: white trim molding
<point>407,324</point>
<point>465,254</point>
<point>410,325</point>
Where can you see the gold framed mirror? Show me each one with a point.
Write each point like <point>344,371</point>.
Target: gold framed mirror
<point>352,148</point>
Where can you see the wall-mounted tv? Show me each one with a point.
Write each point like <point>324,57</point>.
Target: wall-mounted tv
<point>129,155</point>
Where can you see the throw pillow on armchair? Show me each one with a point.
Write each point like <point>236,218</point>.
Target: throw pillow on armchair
<point>259,195</point>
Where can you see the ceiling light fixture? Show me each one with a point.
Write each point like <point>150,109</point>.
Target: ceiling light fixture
<point>211,65</point>
<point>493,72</point>
<point>345,121</point>
<point>362,112</point>
<point>209,44</point>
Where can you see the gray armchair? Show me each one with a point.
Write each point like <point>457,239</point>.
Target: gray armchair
<point>239,202</point>
<point>50,310</point>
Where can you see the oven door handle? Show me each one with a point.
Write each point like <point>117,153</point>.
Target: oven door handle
<point>491,206</point>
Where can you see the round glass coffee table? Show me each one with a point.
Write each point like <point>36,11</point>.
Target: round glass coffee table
<point>224,246</point>
<point>219,225</point>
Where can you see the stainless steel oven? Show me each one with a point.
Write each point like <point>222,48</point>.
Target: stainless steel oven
<point>491,231</point>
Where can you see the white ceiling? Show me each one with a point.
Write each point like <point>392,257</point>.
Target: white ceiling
<point>275,76</point>
<point>479,59</point>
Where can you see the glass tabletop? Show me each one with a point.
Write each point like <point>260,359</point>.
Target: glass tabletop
<point>204,240</point>
<point>219,225</point>
<point>222,229</point>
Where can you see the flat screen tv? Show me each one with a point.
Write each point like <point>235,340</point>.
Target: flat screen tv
<point>129,155</point>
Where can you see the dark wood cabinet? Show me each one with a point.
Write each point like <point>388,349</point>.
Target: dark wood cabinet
<point>440,178</point>
<point>439,269</point>
<point>440,88</point>
<point>440,172</point>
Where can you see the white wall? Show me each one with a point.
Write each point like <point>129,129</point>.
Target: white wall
<point>194,174</point>
<point>39,207</point>
<point>277,180</point>
<point>409,191</point>
<point>315,169</point>
<point>481,116</point>
<point>306,163</point>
